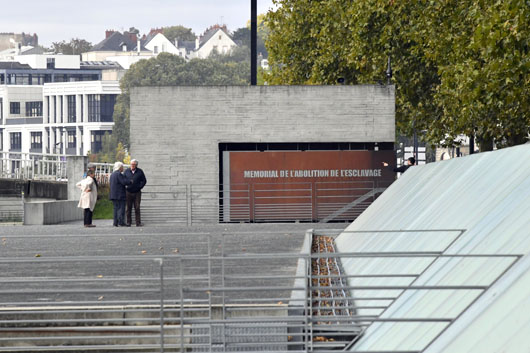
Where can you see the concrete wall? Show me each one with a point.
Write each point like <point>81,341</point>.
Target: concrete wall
<point>51,212</point>
<point>75,170</point>
<point>175,131</point>
<point>55,190</point>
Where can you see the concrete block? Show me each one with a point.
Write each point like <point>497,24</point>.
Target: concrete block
<point>51,212</point>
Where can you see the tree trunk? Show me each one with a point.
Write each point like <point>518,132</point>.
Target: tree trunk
<point>485,143</point>
<point>517,139</point>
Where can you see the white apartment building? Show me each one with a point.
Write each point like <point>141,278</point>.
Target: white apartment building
<point>20,118</point>
<point>76,115</point>
<point>48,108</point>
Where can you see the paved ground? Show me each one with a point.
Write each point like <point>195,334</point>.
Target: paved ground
<point>70,262</point>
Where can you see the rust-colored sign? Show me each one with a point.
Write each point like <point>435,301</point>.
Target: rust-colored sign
<point>296,166</point>
<point>304,185</point>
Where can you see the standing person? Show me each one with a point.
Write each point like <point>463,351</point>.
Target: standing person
<point>134,191</point>
<point>89,196</point>
<point>118,181</point>
<point>410,162</point>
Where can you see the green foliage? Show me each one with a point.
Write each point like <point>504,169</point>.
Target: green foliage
<point>459,67</point>
<point>172,70</point>
<point>104,208</point>
<point>111,151</point>
<point>74,46</point>
<point>179,33</point>
<point>242,37</point>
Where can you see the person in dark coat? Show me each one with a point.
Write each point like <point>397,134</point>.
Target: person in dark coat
<point>133,193</point>
<point>118,181</point>
<point>410,162</point>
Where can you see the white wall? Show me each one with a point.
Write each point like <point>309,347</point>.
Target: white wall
<point>162,44</point>
<point>220,39</point>
<point>39,61</point>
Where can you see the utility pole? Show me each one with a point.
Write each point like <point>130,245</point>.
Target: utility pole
<point>253,42</point>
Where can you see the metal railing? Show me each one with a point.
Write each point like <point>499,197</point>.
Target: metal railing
<point>269,202</point>
<point>17,165</point>
<point>38,166</point>
<point>104,170</point>
<point>207,298</point>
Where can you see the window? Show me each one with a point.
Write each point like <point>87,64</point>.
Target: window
<point>1,112</point>
<point>55,107</point>
<point>101,107</point>
<point>93,107</point>
<point>33,109</point>
<point>36,140</point>
<point>107,107</point>
<point>21,79</point>
<point>71,108</point>
<point>220,37</point>
<point>50,63</point>
<point>215,49</point>
<point>97,140</point>
<point>16,141</point>
<point>71,139</point>
<point>60,120</point>
<point>155,49</point>
<point>14,107</point>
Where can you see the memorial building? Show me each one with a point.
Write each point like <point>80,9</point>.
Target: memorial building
<point>264,153</point>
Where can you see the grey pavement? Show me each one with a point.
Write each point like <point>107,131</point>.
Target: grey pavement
<point>67,262</point>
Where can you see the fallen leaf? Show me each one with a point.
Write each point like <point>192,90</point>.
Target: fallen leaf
<point>280,302</point>
<point>244,249</point>
<point>37,255</point>
<point>140,244</point>
<point>99,276</point>
<point>144,251</point>
<point>100,298</point>
<point>161,248</point>
<point>289,338</point>
<point>176,250</point>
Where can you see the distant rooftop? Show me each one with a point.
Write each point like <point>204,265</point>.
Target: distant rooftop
<point>114,41</point>
<point>13,65</point>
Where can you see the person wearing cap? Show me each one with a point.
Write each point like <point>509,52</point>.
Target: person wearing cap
<point>118,181</point>
<point>133,194</point>
<point>410,162</point>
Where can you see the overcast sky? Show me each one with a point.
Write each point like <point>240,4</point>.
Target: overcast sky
<point>56,20</point>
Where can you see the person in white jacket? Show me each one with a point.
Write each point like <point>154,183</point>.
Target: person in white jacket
<point>89,195</point>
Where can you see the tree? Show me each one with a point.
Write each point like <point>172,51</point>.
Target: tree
<point>179,33</point>
<point>172,70</point>
<point>75,46</point>
<point>242,37</point>
<point>484,69</point>
<point>459,66</point>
